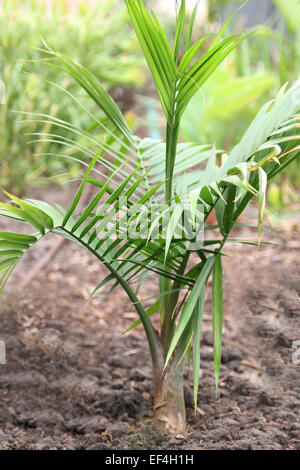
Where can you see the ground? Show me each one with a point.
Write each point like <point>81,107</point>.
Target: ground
<point>73,381</point>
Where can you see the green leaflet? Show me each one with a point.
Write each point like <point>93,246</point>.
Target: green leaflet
<point>150,311</point>
<point>198,317</point>
<point>179,31</point>
<point>190,304</point>
<point>217,315</point>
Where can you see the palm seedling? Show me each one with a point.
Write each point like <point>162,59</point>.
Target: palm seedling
<point>129,173</point>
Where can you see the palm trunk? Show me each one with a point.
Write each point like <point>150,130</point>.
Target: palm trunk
<point>169,406</point>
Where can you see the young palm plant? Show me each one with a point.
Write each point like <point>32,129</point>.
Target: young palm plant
<point>129,173</point>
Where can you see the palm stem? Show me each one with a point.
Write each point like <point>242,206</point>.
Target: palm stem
<point>171,147</point>
<point>169,321</point>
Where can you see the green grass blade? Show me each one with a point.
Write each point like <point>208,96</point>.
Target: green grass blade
<point>79,192</point>
<point>222,30</point>
<point>263,179</point>
<point>190,305</point>
<point>179,31</point>
<point>217,316</point>
<point>151,311</point>
<point>191,26</point>
<point>198,317</point>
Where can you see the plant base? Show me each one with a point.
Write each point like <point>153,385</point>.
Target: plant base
<point>169,406</point>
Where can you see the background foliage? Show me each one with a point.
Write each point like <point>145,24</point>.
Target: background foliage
<point>99,37</point>
<point>96,36</point>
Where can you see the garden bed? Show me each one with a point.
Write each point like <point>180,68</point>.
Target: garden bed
<point>72,381</point>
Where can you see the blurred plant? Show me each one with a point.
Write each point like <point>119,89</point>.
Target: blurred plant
<point>214,8</point>
<point>283,195</point>
<point>98,36</point>
<point>275,52</point>
<point>276,45</point>
<point>276,218</point>
<point>290,50</point>
<point>225,105</point>
<point>147,174</point>
<point>289,66</point>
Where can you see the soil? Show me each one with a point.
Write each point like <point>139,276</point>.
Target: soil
<point>73,381</point>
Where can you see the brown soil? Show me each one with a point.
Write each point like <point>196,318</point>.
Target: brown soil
<point>72,381</point>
